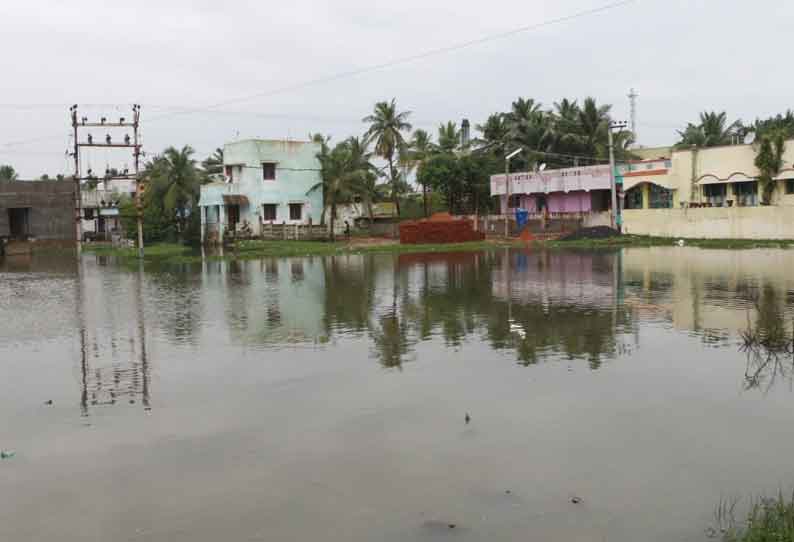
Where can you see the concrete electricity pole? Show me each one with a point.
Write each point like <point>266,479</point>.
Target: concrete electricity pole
<point>615,215</point>
<point>107,143</point>
<point>507,189</point>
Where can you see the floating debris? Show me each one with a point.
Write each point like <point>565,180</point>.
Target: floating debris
<point>576,500</point>
<point>48,402</point>
<point>7,454</point>
<point>467,418</point>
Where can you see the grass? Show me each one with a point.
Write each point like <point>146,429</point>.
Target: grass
<point>769,519</point>
<point>177,253</point>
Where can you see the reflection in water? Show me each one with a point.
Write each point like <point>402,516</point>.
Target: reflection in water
<point>127,376</point>
<point>269,409</point>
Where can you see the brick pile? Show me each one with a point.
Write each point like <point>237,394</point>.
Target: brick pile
<point>440,228</point>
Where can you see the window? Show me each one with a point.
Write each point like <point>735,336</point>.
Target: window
<point>515,201</point>
<point>269,212</point>
<point>660,197</point>
<point>789,186</point>
<point>88,214</point>
<point>634,198</point>
<point>269,171</point>
<point>746,193</point>
<point>295,211</point>
<point>715,194</point>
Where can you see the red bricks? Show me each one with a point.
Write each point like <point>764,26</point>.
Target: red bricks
<point>439,228</point>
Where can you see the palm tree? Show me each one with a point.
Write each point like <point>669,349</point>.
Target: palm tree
<point>213,164</point>
<point>565,126</point>
<point>386,128</point>
<point>594,128</point>
<point>364,175</point>
<point>713,130</point>
<point>8,173</point>
<point>345,173</point>
<point>323,141</point>
<point>448,137</point>
<point>178,181</point>
<point>494,134</point>
<point>421,149</point>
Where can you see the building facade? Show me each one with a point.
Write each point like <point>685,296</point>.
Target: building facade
<point>38,210</point>
<point>559,192</point>
<point>265,181</point>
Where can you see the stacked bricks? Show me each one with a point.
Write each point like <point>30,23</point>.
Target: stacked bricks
<point>440,228</point>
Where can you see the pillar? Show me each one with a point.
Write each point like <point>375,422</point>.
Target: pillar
<point>221,222</point>
<point>203,215</point>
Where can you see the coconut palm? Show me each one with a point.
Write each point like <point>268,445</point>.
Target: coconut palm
<point>712,130</point>
<point>422,148</point>
<point>494,134</point>
<point>448,137</point>
<point>386,127</point>
<point>8,173</point>
<point>346,172</point>
<point>594,128</point>
<point>176,178</point>
<point>213,164</point>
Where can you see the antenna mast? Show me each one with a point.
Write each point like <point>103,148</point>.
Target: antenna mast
<point>633,104</point>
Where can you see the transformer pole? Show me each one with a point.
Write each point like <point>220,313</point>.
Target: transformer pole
<point>138,186</point>
<point>78,202</point>
<point>615,218</point>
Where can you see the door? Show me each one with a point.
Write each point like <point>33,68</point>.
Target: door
<point>19,222</point>
<point>233,216</point>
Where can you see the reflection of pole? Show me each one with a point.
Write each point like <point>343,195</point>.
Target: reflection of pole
<point>80,309</point>
<point>142,333</point>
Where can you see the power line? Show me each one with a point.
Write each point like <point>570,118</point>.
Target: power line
<point>385,65</point>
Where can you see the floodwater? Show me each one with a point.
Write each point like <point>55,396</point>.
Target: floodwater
<point>325,398</point>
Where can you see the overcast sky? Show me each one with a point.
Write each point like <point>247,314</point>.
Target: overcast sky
<point>682,56</point>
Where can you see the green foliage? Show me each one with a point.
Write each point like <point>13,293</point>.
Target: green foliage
<point>464,181</point>
<point>386,127</point>
<point>448,137</point>
<point>769,520</point>
<point>212,165</point>
<point>170,204</point>
<point>769,160</point>
<point>712,130</point>
<point>8,173</point>
<point>567,135</point>
<point>346,173</point>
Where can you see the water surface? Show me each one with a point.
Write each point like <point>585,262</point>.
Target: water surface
<point>324,398</point>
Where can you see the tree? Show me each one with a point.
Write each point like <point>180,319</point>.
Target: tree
<point>44,177</point>
<point>593,128</point>
<point>386,128</point>
<point>364,178</point>
<point>494,134</point>
<point>213,164</point>
<point>712,130</point>
<point>421,149</point>
<point>448,137</point>
<point>769,161</point>
<point>8,173</point>
<point>345,173</point>
<point>173,194</point>
<point>442,173</point>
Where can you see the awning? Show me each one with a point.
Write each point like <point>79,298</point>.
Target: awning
<point>234,199</point>
<point>737,177</point>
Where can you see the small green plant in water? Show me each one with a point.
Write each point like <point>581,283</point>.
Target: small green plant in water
<point>768,520</point>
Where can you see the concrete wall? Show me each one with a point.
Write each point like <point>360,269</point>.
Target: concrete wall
<point>50,204</point>
<point>773,222</point>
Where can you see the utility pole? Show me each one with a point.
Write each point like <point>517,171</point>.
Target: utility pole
<point>616,219</point>
<point>78,198</point>
<point>108,142</point>
<point>507,189</point>
<point>136,118</point>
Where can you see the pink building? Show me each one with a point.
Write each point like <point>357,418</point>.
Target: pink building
<point>570,191</point>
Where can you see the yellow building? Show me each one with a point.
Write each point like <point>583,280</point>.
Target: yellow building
<point>706,193</point>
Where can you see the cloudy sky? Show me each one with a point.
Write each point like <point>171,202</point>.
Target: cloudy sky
<point>682,56</point>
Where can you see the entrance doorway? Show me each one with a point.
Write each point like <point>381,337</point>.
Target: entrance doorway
<point>19,222</point>
<point>232,216</point>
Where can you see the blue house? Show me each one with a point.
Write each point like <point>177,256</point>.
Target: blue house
<point>264,181</point>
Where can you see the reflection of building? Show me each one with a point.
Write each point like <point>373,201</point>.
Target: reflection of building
<point>265,181</point>
<point>699,290</point>
<point>289,296</point>
<point>586,278</point>
<point>114,365</point>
